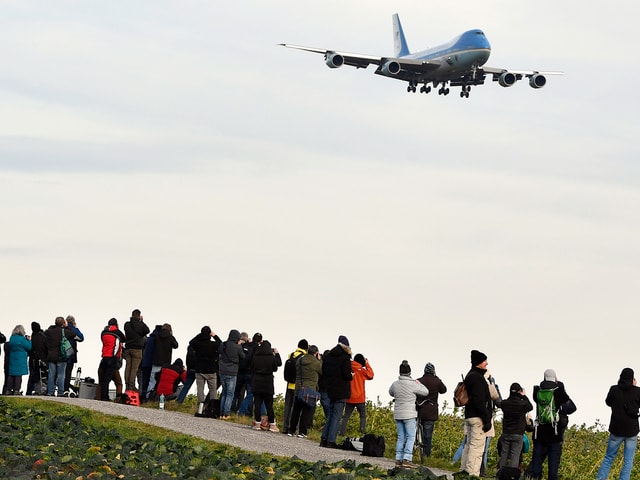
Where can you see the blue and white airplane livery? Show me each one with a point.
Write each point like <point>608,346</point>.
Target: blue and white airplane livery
<point>458,63</point>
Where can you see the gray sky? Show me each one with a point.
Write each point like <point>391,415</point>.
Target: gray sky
<point>171,157</point>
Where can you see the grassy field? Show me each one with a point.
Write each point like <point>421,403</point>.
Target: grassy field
<point>43,440</point>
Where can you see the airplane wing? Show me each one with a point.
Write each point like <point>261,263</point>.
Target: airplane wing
<point>507,77</point>
<point>522,73</point>
<point>335,59</point>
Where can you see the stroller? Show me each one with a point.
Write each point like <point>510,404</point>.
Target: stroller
<point>74,390</point>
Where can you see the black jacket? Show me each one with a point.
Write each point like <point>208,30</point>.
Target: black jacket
<point>263,364</point>
<point>549,433</point>
<point>624,400</point>
<point>514,410</point>
<point>53,339</point>
<point>336,372</point>
<point>206,352</point>
<point>480,404</point>
<point>428,406</point>
<point>163,348</point>
<point>136,331</point>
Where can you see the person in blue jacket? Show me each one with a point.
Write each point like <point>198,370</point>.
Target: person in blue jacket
<point>19,346</point>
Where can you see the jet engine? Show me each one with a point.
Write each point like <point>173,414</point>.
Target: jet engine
<point>391,68</point>
<point>507,79</point>
<point>334,60</point>
<point>537,81</point>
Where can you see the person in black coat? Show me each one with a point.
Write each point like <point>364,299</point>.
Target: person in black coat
<point>205,346</point>
<point>265,361</point>
<point>37,354</point>
<point>428,406</point>
<point>336,372</point>
<point>624,400</point>
<point>548,438</point>
<point>514,424</point>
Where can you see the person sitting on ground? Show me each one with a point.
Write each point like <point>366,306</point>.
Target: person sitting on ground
<point>170,378</point>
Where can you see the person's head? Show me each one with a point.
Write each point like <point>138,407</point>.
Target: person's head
<point>515,388</point>
<point>18,330</point>
<point>113,322</point>
<point>313,350</point>
<point>342,340</point>
<point>71,320</point>
<point>167,327</point>
<point>479,359</point>
<point>405,368</point>
<point>303,344</point>
<point>360,359</point>
<point>244,336</point>
<point>35,327</point>
<point>135,314</point>
<point>206,330</point>
<point>550,375</point>
<point>257,337</point>
<point>59,322</point>
<point>430,369</point>
<point>627,377</point>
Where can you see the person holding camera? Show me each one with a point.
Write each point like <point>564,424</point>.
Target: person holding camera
<point>19,346</point>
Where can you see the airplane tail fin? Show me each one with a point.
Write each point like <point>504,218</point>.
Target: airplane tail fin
<point>400,48</point>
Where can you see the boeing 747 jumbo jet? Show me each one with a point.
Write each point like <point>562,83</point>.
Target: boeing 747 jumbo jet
<point>458,63</point>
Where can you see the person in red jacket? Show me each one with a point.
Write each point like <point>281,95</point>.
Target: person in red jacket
<point>170,378</point>
<point>112,340</point>
<point>362,372</point>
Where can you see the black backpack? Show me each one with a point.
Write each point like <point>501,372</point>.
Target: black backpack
<point>373,445</point>
<point>290,369</point>
<point>509,473</point>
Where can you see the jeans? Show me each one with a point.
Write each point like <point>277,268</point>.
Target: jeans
<point>56,377</point>
<point>550,451</point>
<point>511,449</point>
<point>330,430</point>
<point>191,377</point>
<point>228,383</point>
<point>406,439</point>
<point>427,436</point>
<point>613,446</point>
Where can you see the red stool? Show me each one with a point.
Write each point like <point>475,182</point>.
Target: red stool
<point>133,398</point>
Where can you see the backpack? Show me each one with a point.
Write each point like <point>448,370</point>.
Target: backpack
<point>373,445</point>
<point>460,395</point>
<point>546,407</point>
<point>509,473</point>
<point>66,350</point>
<point>290,369</point>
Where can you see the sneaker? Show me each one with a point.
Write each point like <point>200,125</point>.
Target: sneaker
<point>225,417</point>
<point>273,427</point>
<point>255,425</point>
<point>408,464</point>
<point>398,463</point>
<point>302,435</point>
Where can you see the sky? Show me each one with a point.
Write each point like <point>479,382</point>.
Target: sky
<point>172,157</point>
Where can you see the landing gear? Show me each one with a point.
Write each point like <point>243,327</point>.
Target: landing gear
<point>465,91</point>
<point>443,90</point>
<point>412,86</point>
<point>425,88</point>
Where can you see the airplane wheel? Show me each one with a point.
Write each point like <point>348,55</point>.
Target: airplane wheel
<point>462,94</point>
<point>409,88</point>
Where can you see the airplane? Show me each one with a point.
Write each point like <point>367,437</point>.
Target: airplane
<point>457,63</point>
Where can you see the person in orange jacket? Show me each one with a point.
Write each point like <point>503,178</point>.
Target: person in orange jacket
<point>362,372</point>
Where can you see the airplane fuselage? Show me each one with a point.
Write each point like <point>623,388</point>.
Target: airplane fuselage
<point>458,57</point>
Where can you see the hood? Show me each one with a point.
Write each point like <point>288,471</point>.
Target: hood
<point>234,336</point>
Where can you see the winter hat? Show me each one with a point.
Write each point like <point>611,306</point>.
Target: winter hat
<point>112,322</point>
<point>515,387</point>
<point>206,330</point>
<point>135,313</point>
<point>178,363</point>
<point>627,375</point>
<point>477,357</point>
<point>257,337</point>
<point>360,359</point>
<point>35,326</point>
<point>550,375</point>
<point>303,344</point>
<point>343,340</point>
<point>430,368</point>
<point>405,369</point>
